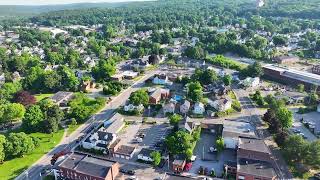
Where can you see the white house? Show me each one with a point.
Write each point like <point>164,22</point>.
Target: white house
<point>184,108</point>
<point>145,155</point>
<point>251,82</point>
<point>99,140</point>
<point>221,104</point>
<point>131,107</point>
<point>198,108</point>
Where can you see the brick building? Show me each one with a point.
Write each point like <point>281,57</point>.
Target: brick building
<point>81,166</point>
<point>254,160</point>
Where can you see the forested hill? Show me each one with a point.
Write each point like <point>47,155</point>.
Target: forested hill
<point>20,10</point>
<point>172,13</point>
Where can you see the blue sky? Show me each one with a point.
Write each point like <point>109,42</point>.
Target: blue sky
<point>45,2</point>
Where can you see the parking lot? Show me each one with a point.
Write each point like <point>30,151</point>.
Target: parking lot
<point>299,127</point>
<point>153,134</point>
<point>210,160</point>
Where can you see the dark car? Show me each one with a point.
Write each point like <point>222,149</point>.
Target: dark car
<point>131,172</point>
<point>141,135</point>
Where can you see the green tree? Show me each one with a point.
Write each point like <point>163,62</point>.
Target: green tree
<point>8,90</point>
<point>313,155</point>
<point>139,97</point>
<point>220,144</point>
<point>175,119</point>
<point>33,118</point>
<point>295,149</point>
<point>156,157</point>
<point>180,143</point>
<point>195,92</point>
<point>103,70</point>
<point>227,80</point>
<point>11,112</point>
<point>285,117</point>
<point>19,144</point>
<point>300,88</point>
<point>254,70</point>
<point>2,150</point>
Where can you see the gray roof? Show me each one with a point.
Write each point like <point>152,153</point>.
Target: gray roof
<point>117,122</point>
<point>255,167</point>
<point>295,74</point>
<point>146,152</point>
<point>60,96</point>
<point>125,150</point>
<point>87,165</point>
<point>253,144</point>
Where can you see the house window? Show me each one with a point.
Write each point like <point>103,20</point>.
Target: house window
<point>241,177</point>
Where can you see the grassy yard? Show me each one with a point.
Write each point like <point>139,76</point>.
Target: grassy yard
<point>12,168</point>
<point>39,97</point>
<point>72,128</point>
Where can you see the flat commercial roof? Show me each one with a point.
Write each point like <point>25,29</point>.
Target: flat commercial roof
<point>253,144</point>
<point>87,165</point>
<point>295,74</point>
<point>256,168</point>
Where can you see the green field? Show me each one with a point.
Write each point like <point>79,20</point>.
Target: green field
<point>12,168</point>
<point>39,97</point>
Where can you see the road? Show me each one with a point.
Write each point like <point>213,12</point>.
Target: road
<point>68,143</point>
<point>254,114</point>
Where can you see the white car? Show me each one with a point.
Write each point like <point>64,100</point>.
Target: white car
<point>212,149</point>
<point>138,139</point>
<point>193,158</point>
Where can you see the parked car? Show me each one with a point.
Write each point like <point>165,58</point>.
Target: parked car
<point>317,176</point>
<point>125,171</point>
<point>212,149</point>
<point>141,135</point>
<point>296,130</point>
<point>193,158</point>
<point>137,140</point>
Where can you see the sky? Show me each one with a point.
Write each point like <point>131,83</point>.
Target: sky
<point>50,2</point>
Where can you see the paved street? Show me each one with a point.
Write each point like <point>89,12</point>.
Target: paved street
<point>68,143</point>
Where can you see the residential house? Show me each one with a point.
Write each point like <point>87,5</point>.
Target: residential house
<point>81,166</point>
<point>117,150</point>
<point>62,98</point>
<point>140,63</point>
<point>130,74</point>
<point>99,140</point>
<point>145,155</point>
<point>187,125</point>
<point>184,108</point>
<point>169,108</point>
<point>286,59</point>
<point>251,82</point>
<point>160,79</point>
<point>254,160</point>
<point>158,95</point>
<point>87,85</point>
<point>131,107</point>
<point>198,108</point>
<point>221,105</point>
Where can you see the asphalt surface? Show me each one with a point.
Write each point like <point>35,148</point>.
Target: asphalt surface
<point>69,143</point>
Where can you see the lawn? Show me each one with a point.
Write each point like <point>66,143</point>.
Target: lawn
<point>72,128</point>
<point>12,168</point>
<point>39,97</point>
